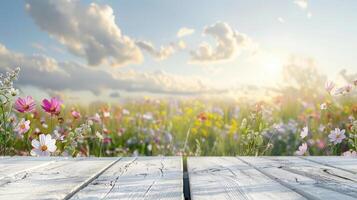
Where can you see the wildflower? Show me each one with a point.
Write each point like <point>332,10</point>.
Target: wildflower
<point>336,136</point>
<point>44,146</point>
<point>329,86</point>
<point>304,132</point>
<point>350,153</point>
<point>202,116</point>
<point>126,112</point>
<point>13,92</point>
<point>323,106</point>
<point>355,82</point>
<point>147,116</point>
<point>106,114</point>
<point>95,118</point>
<point>23,126</point>
<point>75,114</point>
<point>52,106</point>
<point>25,105</point>
<point>302,150</point>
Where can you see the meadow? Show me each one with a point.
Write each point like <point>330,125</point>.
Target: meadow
<point>309,116</point>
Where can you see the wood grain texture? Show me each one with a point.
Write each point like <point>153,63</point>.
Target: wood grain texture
<point>311,180</point>
<point>348,164</point>
<point>138,178</point>
<point>53,181</point>
<point>229,178</point>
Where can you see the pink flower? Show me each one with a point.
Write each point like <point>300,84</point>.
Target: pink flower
<point>336,136</point>
<point>302,150</point>
<point>75,114</point>
<point>23,126</point>
<point>350,153</point>
<point>329,86</point>
<point>52,106</point>
<point>24,105</point>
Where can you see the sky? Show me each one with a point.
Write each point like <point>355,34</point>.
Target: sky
<point>94,49</point>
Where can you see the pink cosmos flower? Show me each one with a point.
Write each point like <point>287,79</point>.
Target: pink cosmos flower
<point>25,105</point>
<point>52,106</point>
<point>75,114</point>
<point>336,136</point>
<point>302,150</point>
<point>329,86</point>
<point>23,126</point>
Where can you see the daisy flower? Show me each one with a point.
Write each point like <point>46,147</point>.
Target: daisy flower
<point>44,146</point>
<point>302,150</point>
<point>23,126</point>
<point>323,106</point>
<point>336,136</point>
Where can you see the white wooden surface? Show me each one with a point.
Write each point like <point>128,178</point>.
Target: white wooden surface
<point>272,178</point>
<point>230,178</point>
<point>217,178</point>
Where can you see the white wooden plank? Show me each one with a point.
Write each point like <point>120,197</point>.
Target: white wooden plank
<point>138,178</point>
<point>229,178</point>
<point>9,166</point>
<point>54,181</point>
<point>304,177</point>
<point>348,164</point>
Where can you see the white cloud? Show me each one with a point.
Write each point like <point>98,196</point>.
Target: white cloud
<point>87,31</point>
<point>229,43</point>
<point>184,31</point>
<point>161,54</point>
<point>38,46</point>
<point>301,3</point>
<point>309,15</point>
<point>47,74</point>
<point>164,52</point>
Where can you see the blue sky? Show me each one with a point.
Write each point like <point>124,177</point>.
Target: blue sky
<point>272,31</point>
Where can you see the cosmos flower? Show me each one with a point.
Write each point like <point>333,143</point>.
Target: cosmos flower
<point>25,105</point>
<point>52,106</point>
<point>23,126</point>
<point>75,114</point>
<point>125,112</point>
<point>329,86</point>
<point>302,150</point>
<point>336,136</point>
<point>44,146</point>
<point>304,132</point>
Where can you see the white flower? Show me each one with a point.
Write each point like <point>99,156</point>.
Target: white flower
<point>323,106</point>
<point>147,116</point>
<point>304,132</point>
<point>44,147</point>
<point>302,150</point>
<point>350,153</point>
<point>106,114</point>
<point>14,92</point>
<point>336,136</point>
<point>126,112</point>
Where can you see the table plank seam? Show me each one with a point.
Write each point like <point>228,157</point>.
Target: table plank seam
<point>89,180</point>
<point>328,165</point>
<point>291,187</point>
<point>319,179</point>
